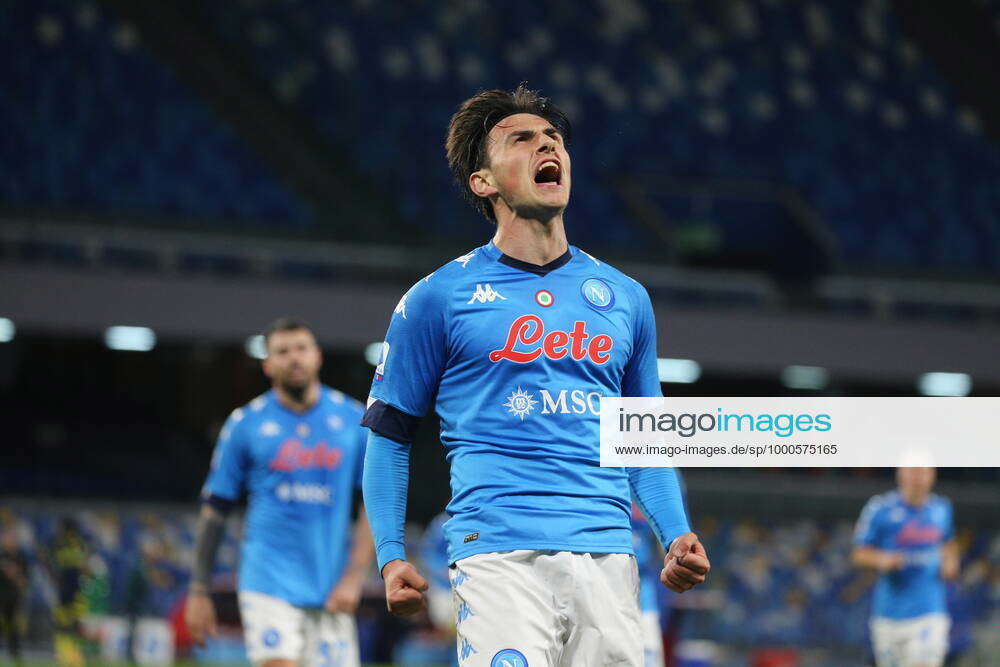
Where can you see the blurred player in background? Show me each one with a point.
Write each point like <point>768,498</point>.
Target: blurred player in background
<point>13,592</point>
<point>907,536</point>
<point>648,556</point>
<point>517,341</point>
<point>297,450</point>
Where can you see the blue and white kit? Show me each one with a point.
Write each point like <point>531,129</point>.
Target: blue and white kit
<point>517,357</point>
<point>910,622</point>
<point>300,472</point>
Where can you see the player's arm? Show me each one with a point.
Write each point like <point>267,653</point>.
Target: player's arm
<point>950,559</point>
<point>865,554</point>
<point>405,383</point>
<point>222,488</point>
<point>199,612</point>
<point>881,560</point>
<point>950,555</point>
<point>656,490</point>
<point>346,595</point>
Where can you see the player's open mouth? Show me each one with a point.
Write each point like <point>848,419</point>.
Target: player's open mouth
<point>549,174</point>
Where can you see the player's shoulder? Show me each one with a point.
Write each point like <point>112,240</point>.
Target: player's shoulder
<point>614,276</point>
<point>251,409</point>
<point>339,401</point>
<point>882,501</point>
<point>937,500</point>
<point>433,290</point>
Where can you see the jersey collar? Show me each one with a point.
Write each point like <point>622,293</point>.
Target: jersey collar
<point>537,269</point>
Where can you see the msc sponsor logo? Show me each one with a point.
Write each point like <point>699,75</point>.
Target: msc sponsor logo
<point>302,492</point>
<point>522,403</point>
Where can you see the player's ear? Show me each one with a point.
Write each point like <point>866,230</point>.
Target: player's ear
<point>481,183</point>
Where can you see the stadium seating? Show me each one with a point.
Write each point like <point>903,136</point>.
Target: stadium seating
<point>95,125</point>
<point>827,97</point>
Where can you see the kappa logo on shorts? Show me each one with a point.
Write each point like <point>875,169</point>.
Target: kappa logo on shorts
<point>509,657</point>
<point>270,638</point>
<point>471,537</point>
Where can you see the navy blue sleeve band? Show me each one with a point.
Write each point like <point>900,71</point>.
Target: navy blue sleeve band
<point>220,504</point>
<point>386,476</point>
<point>658,494</point>
<point>390,422</point>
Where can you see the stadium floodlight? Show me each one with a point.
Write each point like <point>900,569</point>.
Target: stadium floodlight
<point>373,353</point>
<point>805,377</point>
<point>256,346</point>
<point>945,384</point>
<point>132,339</point>
<point>7,330</point>
<point>684,371</point>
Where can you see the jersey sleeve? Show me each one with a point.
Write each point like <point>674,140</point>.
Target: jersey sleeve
<point>230,460</point>
<point>949,521</point>
<point>414,351</point>
<point>361,434</point>
<point>866,530</point>
<point>641,377</point>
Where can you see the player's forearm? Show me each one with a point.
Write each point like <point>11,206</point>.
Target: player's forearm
<point>362,549</point>
<point>870,557</point>
<point>208,536</point>
<point>386,475</point>
<point>658,495</point>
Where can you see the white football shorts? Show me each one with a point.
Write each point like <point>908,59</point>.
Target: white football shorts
<point>275,629</point>
<point>910,642</point>
<point>547,608</point>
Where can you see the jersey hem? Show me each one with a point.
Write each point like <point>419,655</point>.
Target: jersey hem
<point>541,546</point>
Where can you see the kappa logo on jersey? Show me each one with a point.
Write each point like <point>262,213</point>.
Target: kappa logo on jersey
<point>380,367</point>
<point>401,306</point>
<point>597,293</point>
<point>484,294</point>
<point>293,455</point>
<point>465,259</point>
<point>270,428</point>
<point>530,330</point>
<point>520,403</point>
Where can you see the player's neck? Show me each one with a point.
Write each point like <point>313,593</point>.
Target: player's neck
<point>298,402</point>
<point>531,241</point>
<point>914,500</point>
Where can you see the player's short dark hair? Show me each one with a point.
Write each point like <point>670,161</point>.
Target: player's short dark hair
<point>469,128</point>
<point>285,324</point>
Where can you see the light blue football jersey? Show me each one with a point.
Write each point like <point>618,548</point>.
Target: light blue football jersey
<point>888,522</point>
<point>515,358</point>
<point>300,472</point>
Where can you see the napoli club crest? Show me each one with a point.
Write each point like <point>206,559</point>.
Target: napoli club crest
<point>597,293</point>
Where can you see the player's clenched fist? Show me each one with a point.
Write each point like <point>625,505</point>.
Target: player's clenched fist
<point>199,615</point>
<point>404,588</point>
<point>685,565</point>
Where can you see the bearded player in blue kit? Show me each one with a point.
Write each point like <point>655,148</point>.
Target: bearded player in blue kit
<point>908,536</point>
<point>514,343</point>
<point>298,451</point>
